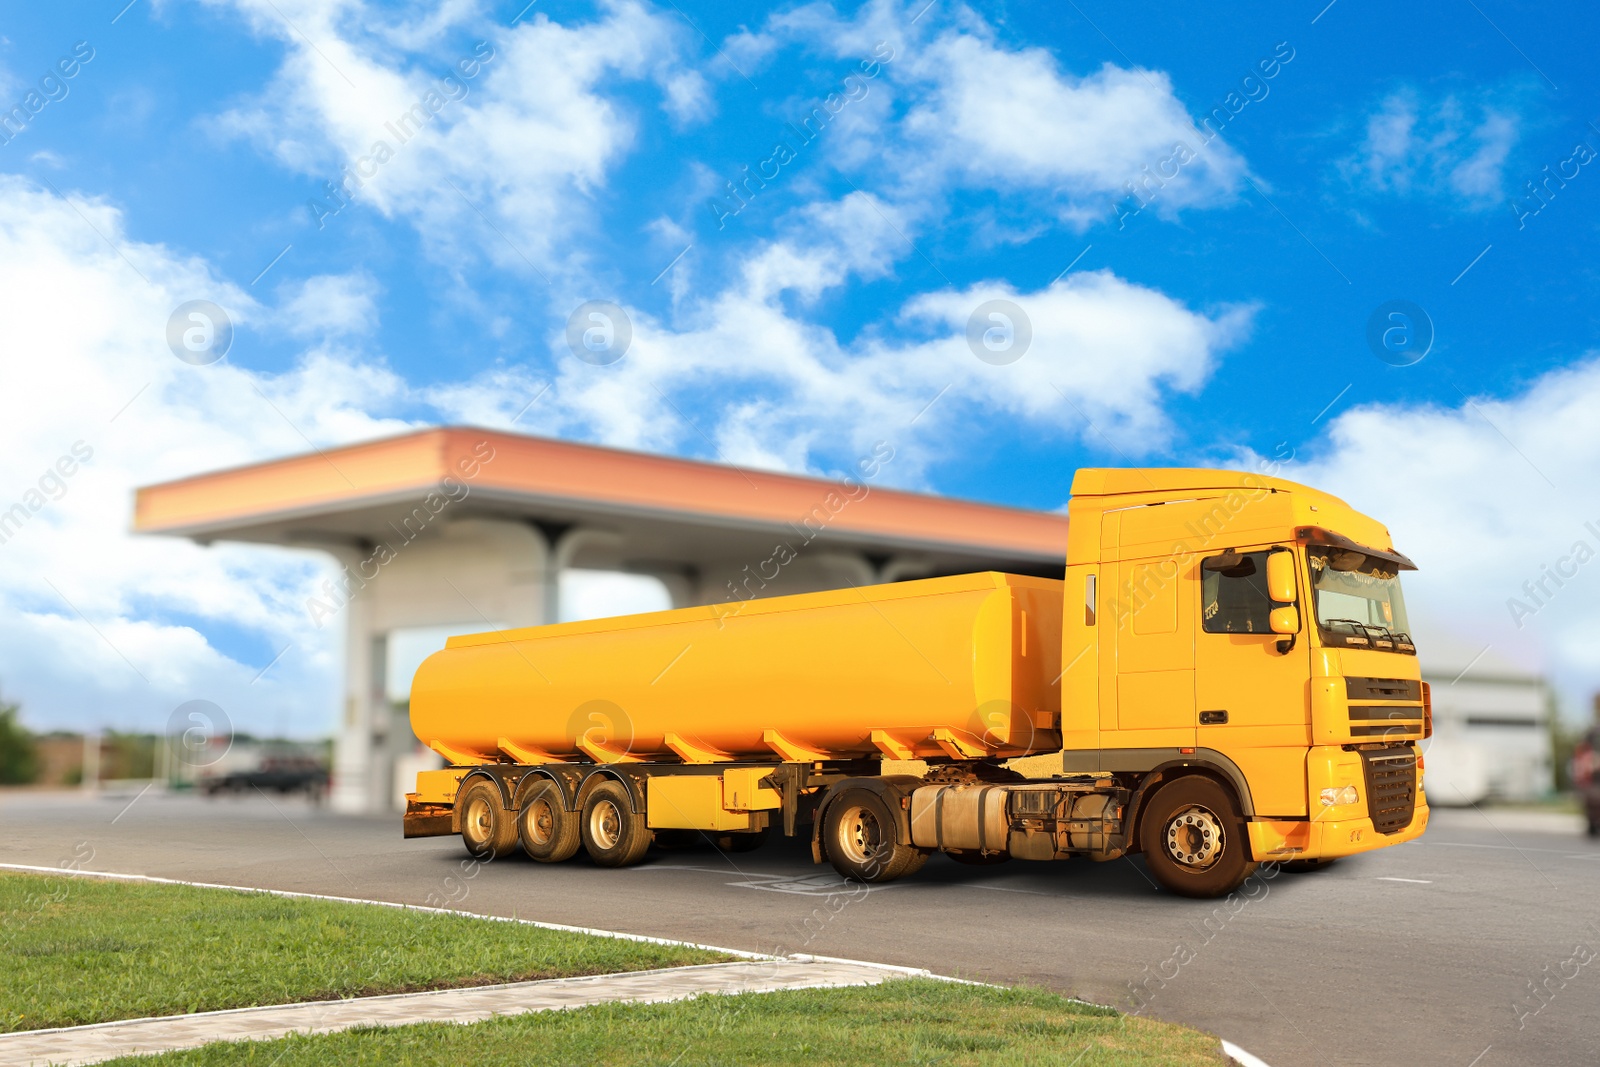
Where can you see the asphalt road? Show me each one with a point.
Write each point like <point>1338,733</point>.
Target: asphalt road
<point>1420,954</point>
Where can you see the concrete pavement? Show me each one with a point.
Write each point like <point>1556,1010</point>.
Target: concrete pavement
<point>1456,949</point>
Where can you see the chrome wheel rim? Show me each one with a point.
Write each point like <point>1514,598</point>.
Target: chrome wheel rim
<point>1194,838</point>
<point>860,834</point>
<point>605,825</point>
<point>479,821</point>
<point>539,822</point>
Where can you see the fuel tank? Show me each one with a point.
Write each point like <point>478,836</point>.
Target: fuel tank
<point>965,666</point>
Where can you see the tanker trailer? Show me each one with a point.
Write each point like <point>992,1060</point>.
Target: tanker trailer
<point>987,716</point>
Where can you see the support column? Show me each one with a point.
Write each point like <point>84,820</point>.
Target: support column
<point>683,585</point>
<point>353,751</point>
<point>564,546</point>
<point>902,569</point>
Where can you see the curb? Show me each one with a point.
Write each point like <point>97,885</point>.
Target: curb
<point>1240,1056</point>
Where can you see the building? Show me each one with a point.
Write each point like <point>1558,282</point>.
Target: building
<point>1491,729</point>
<point>457,529</point>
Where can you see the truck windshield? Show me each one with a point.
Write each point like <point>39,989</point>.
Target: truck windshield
<point>1358,600</point>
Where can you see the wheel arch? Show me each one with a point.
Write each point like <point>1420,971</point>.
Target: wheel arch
<point>493,773</point>
<point>1176,770</point>
<point>633,784</point>
<point>535,775</point>
<point>891,788</point>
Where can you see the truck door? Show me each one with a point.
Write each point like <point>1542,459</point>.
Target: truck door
<point>1253,700</point>
<point>1155,653</point>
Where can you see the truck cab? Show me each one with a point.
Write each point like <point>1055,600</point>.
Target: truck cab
<point>1253,630</point>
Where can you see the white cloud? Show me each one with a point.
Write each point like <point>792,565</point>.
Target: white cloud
<point>956,108</point>
<point>776,390</point>
<point>1014,120</point>
<point>89,374</point>
<point>1445,148</point>
<point>524,130</point>
<point>1485,497</point>
<point>331,305</point>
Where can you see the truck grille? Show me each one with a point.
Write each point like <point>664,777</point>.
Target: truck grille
<point>1379,721</point>
<point>1391,787</point>
<point>1383,689</point>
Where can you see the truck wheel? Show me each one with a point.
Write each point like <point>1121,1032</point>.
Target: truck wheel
<point>675,840</point>
<point>613,834</point>
<point>547,830</point>
<point>1194,840</point>
<point>862,841</point>
<point>741,841</point>
<point>487,828</point>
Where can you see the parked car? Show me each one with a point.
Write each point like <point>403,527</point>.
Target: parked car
<point>269,767</point>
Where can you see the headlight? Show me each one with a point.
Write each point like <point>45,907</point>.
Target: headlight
<point>1340,797</point>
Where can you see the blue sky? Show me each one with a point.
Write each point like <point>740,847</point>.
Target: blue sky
<point>1312,164</point>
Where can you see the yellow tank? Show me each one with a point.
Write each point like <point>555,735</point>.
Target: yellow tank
<point>965,666</point>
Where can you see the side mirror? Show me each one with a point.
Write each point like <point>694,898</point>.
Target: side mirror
<point>1280,582</point>
<point>1285,620</point>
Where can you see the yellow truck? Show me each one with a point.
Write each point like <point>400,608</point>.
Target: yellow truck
<point>1222,677</point>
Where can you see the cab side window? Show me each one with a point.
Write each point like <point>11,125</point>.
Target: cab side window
<point>1233,594</point>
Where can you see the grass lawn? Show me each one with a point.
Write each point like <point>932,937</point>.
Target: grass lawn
<point>82,950</point>
<point>902,1022</point>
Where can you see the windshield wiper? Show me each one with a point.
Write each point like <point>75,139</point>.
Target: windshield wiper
<point>1366,629</point>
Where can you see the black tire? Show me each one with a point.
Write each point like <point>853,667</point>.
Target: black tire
<point>487,828</point>
<point>1194,839</point>
<point>862,841</point>
<point>614,835</point>
<point>676,840</point>
<point>740,841</point>
<point>547,831</point>
<point>1307,866</point>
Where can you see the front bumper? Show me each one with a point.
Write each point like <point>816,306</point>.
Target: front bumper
<point>1301,839</point>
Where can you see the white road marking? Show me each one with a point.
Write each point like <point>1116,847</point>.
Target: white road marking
<point>1414,881</point>
<point>1002,889</point>
<point>813,885</point>
<point>1234,1052</point>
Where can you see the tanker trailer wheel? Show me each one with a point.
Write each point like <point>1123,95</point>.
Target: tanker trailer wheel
<point>487,828</point>
<point>613,834</point>
<point>739,841</point>
<point>1194,839</point>
<point>862,841</point>
<point>547,830</point>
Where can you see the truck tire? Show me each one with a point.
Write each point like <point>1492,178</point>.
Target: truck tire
<point>487,828</point>
<point>547,831</point>
<point>1194,840</point>
<point>862,841</point>
<point>613,834</point>
<point>740,841</point>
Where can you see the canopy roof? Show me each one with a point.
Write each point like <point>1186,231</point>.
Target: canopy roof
<point>667,508</point>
